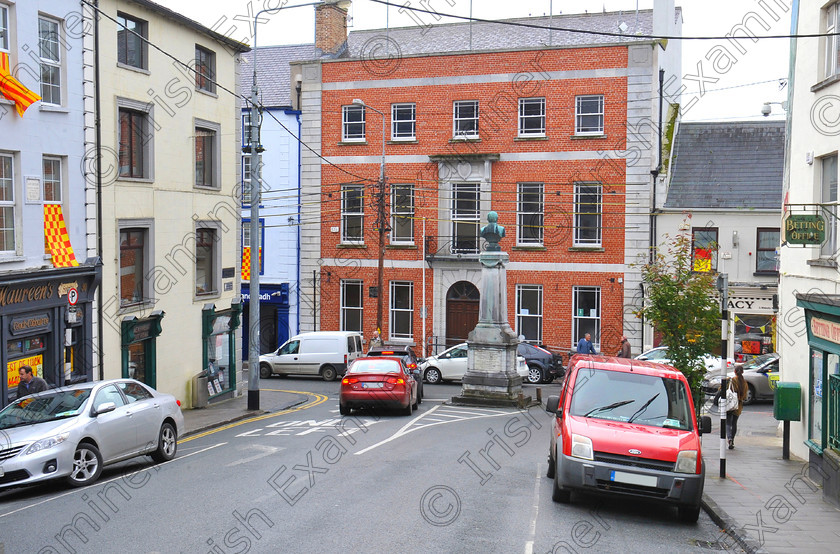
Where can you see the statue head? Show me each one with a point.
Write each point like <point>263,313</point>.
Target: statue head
<point>492,217</point>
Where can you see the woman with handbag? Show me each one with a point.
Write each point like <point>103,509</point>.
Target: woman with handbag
<point>738,386</point>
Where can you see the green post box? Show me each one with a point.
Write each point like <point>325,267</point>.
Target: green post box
<point>787,405</point>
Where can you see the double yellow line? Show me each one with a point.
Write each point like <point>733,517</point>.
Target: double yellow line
<point>317,400</point>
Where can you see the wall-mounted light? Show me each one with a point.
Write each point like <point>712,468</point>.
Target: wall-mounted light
<point>734,238</point>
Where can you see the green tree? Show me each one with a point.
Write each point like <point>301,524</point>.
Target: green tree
<point>682,307</point>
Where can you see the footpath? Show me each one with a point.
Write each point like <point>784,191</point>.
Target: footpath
<point>765,503</point>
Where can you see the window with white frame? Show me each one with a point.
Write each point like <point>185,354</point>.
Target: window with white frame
<point>532,117</point>
<point>465,217</point>
<point>767,250</point>
<point>7,203</point>
<point>4,28</point>
<point>587,214</point>
<point>589,114</point>
<point>529,310</point>
<point>246,238</point>
<point>832,45</point>
<point>403,121</point>
<point>402,310</point>
<point>352,305</point>
<point>586,314</point>
<point>353,123</point>
<point>465,119</point>
<point>704,248</point>
<point>132,50</point>
<point>205,261</point>
<point>49,45</point>
<point>402,213</point>
<point>828,189</point>
<point>205,69</point>
<point>352,213</point>
<point>52,180</point>
<point>246,180</point>
<point>246,129</point>
<point>530,214</point>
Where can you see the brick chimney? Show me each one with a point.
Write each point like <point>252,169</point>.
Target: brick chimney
<point>331,27</point>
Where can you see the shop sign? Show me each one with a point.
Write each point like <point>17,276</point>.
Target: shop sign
<point>30,323</point>
<point>804,229</point>
<point>754,303</point>
<point>826,330</point>
<point>13,367</point>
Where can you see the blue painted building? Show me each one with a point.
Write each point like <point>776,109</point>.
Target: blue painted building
<point>281,196</point>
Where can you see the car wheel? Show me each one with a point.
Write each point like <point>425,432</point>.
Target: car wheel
<point>167,444</point>
<point>432,375</point>
<point>551,468</point>
<point>558,494</point>
<point>407,410</point>
<point>535,374</point>
<point>328,373</point>
<point>750,395</point>
<point>343,410</point>
<point>417,403</point>
<point>265,371</point>
<point>689,514</point>
<point>87,465</point>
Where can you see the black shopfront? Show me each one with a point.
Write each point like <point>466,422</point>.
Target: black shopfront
<point>41,328</point>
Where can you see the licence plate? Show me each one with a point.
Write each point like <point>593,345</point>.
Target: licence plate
<point>633,479</point>
<point>371,385</point>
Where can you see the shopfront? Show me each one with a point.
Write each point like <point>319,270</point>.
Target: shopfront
<point>45,317</point>
<point>219,349</point>
<point>274,317</point>
<point>753,319</point>
<point>139,347</point>
<point>821,398</point>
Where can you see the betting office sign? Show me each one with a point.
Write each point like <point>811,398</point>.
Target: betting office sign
<point>804,229</point>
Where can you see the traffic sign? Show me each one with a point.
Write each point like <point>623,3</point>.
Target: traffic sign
<point>72,296</point>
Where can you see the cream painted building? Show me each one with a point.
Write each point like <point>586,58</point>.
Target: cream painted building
<point>168,196</point>
<point>809,308</point>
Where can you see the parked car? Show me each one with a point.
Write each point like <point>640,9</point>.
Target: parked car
<point>543,366</point>
<point>627,428</point>
<point>379,381</point>
<point>758,372</point>
<point>660,356</point>
<point>324,353</point>
<point>451,365</point>
<point>74,431</point>
<point>409,358</point>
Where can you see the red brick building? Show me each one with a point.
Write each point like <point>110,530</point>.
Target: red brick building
<point>556,131</point>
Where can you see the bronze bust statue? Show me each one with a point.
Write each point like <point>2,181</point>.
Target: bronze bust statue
<point>493,232</point>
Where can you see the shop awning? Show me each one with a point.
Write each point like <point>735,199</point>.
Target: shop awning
<point>57,239</point>
<point>13,89</point>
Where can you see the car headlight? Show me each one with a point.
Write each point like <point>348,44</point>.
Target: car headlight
<point>44,444</point>
<point>686,461</point>
<point>582,447</point>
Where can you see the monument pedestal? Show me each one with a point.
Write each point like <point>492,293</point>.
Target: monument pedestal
<point>491,378</point>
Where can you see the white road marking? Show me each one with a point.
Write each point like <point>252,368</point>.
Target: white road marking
<point>83,489</point>
<point>266,451</point>
<point>535,510</point>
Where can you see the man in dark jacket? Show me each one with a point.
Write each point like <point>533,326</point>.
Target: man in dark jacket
<point>624,351</point>
<point>29,384</point>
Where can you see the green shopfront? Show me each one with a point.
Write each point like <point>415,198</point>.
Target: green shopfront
<point>821,393</point>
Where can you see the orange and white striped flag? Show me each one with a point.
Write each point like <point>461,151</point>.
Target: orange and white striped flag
<point>13,89</point>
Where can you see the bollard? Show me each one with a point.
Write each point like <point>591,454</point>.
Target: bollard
<point>539,394</point>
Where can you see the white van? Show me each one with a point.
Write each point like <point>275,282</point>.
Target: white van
<point>324,353</point>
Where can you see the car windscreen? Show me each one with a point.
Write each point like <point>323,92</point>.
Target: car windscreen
<point>375,366</point>
<point>631,398</point>
<point>759,361</point>
<point>45,407</point>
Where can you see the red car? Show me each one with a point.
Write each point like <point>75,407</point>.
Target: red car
<point>378,381</point>
<point>627,428</point>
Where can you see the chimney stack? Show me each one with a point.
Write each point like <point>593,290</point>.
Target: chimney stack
<point>331,27</point>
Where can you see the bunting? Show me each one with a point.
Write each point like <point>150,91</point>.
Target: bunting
<point>246,263</point>
<point>58,241</point>
<point>12,89</point>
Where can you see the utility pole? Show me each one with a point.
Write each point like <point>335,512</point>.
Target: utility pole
<point>723,287</point>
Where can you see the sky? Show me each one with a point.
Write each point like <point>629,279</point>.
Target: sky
<point>729,93</point>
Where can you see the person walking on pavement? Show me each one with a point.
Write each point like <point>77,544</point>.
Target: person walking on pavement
<point>29,384</point>
<point>624,351</point>
<point>584,345</point>
<point>739,385</point>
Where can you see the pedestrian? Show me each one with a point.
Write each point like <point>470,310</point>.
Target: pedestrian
<point>29,384</point>
<point>739,386</point>
<point>584,345</point>
<point>624,351</point>
<point>375,340</point>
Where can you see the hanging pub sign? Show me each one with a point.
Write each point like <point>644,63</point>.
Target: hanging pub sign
<point>804,229</point>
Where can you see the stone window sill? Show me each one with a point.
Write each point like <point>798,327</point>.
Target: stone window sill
<point>587,249</point>
<point>823,262</point>
<point>585,137</point>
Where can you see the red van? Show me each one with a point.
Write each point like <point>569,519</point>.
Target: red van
<point>627,427</point>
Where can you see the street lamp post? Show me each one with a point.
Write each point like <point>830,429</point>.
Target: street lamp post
<point>380,277</point>
<point>254,150</point>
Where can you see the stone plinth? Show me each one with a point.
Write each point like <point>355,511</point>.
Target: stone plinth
<point>491,378</point>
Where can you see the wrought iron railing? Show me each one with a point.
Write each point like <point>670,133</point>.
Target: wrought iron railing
<point>834,412</point>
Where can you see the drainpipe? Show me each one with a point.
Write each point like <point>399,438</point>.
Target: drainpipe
<point>98,127</point>
<point>655,172</point>
<point>298,213</point>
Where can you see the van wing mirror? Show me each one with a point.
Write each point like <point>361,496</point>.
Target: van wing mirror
<point>552,403</point>
<point>705,424</point>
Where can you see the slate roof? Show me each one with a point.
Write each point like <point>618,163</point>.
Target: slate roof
<point>728,165</point>
<point>273,72</point>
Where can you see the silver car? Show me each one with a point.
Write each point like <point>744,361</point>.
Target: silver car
<point>74,431</point>
<point>451,365</point>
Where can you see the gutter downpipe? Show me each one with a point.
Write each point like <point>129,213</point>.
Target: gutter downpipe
<point>656,172</point>
<point>299,184</point>
<point>98,128</point>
